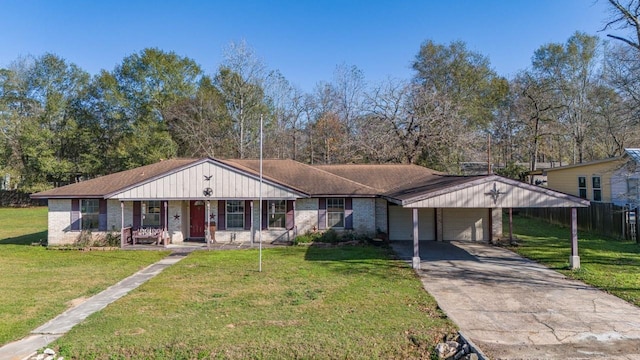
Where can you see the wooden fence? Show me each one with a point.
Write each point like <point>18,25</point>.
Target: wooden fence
<point>602,218</point>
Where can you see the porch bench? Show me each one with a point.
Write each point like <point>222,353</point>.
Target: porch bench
<point>154,234</point>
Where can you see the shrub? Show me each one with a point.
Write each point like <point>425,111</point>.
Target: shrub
<point>330,236</point>
<point>112,239</point>
<point>85,239</point>
<point>307,238</point>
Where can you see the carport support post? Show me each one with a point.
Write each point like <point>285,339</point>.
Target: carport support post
<point>575,259</point>
<point>510,225</point>
<point>122,236</point>
<point>416,245</point>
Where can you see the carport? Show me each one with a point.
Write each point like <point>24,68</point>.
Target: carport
<point>469,208</point>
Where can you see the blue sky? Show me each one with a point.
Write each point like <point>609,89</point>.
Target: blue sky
<point>303,39</point>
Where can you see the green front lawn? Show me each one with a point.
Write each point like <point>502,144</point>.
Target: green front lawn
<point>347,302</point>
<point>38,284</point>
<point>611,265</point>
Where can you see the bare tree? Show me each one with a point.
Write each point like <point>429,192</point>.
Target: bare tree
<point>201,125</point>
<point>241,79</point>
<point>423,122</point>
<point>625,17</point>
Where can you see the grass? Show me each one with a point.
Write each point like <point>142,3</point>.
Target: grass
<point>38,284</point>
<point>608,264</point>
<point>345,302</point>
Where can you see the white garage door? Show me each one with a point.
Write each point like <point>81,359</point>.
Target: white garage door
<point>465,224</point>
<point>401,224</point>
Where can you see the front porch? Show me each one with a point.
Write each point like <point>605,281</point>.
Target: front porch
<point>176,222</point>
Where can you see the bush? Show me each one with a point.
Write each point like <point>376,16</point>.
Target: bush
<point>87,239</point>
<point>307,238</point>
<point>331,236</point>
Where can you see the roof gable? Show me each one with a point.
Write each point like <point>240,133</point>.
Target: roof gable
<point>489,191</point>
<point>207,178</point>
<point>174,179</point>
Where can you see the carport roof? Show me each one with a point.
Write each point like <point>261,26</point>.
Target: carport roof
<point>481,191</point>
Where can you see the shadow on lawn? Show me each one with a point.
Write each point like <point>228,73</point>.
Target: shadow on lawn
<point>39,237</point>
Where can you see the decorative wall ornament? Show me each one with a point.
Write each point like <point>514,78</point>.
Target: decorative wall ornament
<point>207,192</point>
<point>176,217</point>
<point>494,193</point>
<point>207,178</point>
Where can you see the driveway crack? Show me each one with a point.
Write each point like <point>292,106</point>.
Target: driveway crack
<point>553,331</point>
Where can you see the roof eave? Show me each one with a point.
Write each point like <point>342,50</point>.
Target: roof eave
<point>472,182</point>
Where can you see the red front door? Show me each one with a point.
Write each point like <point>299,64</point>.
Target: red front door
<point>196,220</point>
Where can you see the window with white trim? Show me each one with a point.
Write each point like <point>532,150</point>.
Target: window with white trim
<point>235,214</point>
<point>582,186</point>
<point>277,213</point>
<point>151,213</point>
<point>89,214</point>
<point>597,189</point>
<point>335,213</point>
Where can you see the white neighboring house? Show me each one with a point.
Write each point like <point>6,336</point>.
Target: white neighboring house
<point>625,180</point>
<point>182,196</point>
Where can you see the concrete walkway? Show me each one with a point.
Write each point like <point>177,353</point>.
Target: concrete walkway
<point>513,308</point>
<point>58,326</point>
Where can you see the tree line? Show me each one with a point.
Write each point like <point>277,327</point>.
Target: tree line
<point>578,101</point>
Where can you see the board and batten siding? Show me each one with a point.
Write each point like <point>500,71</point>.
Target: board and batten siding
<point>509,196</point>
<point>566,179</point>
<point>189,183</point>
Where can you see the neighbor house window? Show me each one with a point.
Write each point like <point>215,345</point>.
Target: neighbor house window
<point>582,186</point>
<point>277,213</point>
<point>151,213</point>
<point>89,214</point>
<point>597,189</point>
<point>632,191</point>
<point>335,213</point>
<point>235,214</point>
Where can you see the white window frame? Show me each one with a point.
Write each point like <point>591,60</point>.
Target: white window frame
<point>276,212</point>
<point>89,210</point>
<point>335,207</point>
<point>582,189</point>
<point>597,189</point>
<point>238,207</point>
<point>151,210</point>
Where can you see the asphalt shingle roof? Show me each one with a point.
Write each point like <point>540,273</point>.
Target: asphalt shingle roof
<point>104,185</point>
<point>392,180</point>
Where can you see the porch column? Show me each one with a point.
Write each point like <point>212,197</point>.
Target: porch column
<point>439,225</point>
<point>574,261</point>
<point>496,224</point>
<point>207,231</point>
<point>253,228</point>
<point>416,242</point>
<point>122,236</point>
<point>510,225</point>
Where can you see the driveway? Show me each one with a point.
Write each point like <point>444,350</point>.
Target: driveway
<point>513,308</point>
